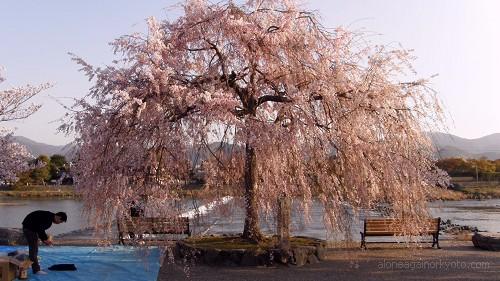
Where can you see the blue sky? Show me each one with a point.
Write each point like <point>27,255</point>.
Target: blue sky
<point>457,39</point>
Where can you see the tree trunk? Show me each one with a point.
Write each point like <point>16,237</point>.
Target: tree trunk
<point>283,222</point>
<point>251,231</point>
<point>283,219</point>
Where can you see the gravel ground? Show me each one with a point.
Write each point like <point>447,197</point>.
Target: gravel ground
<point>457,260</point>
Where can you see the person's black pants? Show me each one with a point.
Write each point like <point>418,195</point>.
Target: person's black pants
<point>32,238</point>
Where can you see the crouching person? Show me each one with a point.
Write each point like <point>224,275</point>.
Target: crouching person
<point>34,226</point>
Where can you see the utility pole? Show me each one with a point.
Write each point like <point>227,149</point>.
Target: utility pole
<point>477,175</point>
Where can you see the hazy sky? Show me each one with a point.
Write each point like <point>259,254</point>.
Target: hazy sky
<point>459,40</point>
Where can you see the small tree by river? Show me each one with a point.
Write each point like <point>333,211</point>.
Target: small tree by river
<point>299,110</point>
<point>14,105</point>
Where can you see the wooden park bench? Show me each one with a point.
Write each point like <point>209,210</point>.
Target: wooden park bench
<point>392,227</point>
<point>137,227</point>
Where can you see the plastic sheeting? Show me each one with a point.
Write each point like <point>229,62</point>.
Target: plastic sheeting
<point>116,263</point>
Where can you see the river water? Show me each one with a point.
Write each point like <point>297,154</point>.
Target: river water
<point>484,214</point>
<point>13,211</point>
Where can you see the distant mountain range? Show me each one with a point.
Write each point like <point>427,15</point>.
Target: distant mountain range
<point>447,145</point>
<point>37,148</point>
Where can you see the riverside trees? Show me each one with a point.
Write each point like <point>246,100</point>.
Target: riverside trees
<point>306,112</point>
<point>14,106</point>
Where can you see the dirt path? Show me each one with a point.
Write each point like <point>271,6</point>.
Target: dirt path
<point>455,261</point>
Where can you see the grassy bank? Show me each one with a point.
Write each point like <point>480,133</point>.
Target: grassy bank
<point>40,191</point>
<point>467,188</point>
<point>481,192</point>
<point>477,189</point>
<point>464,190</point>
<point>446,195</point>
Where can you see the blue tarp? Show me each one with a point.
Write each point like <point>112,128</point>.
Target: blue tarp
<point>96,263</point>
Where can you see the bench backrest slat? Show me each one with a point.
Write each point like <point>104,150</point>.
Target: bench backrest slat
<point>154,225</point>
<point>391,226</point>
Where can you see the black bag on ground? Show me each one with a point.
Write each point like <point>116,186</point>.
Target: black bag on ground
<point>63,267</point>
<point>13,253</point>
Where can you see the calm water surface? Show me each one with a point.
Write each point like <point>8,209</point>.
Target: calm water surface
<point>13,211</point>
<point>484,214</point>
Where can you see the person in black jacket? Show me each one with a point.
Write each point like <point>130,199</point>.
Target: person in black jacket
<point>34,226</point>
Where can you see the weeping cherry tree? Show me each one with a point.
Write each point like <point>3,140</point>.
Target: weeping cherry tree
<point>299,110</point>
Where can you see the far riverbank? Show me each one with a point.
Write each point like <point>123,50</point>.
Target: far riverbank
<point>40,191</point>
<point>476,191</point>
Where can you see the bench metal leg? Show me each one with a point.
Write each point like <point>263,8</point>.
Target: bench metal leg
<point>120,239</point>
<point>435,241</point>
<point>363,241</point>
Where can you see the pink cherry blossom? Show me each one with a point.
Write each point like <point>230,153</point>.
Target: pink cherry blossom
<point>14,106</point>
<point>297,110</point>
